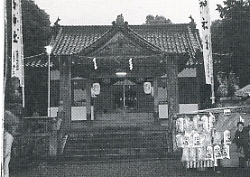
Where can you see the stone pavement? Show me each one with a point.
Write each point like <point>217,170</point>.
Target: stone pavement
<point>123,168</point>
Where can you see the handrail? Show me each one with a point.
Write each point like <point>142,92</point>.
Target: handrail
<point>39,117</point>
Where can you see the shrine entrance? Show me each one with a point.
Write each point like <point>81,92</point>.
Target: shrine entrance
<point>125,95</point>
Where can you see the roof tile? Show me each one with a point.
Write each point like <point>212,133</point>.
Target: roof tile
<point>175,38</point>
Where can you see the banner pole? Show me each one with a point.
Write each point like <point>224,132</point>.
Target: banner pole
<point>212,90</point>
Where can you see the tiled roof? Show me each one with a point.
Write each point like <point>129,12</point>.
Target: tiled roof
<point>171,38</point>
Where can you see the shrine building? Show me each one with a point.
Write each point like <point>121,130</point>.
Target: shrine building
<point>125,72</point>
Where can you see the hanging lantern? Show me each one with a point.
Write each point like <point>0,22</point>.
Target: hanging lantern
<point>96,88</point>
<point>147,87</point>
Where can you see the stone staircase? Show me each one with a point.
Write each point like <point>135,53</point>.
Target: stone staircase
<point>115,139</point>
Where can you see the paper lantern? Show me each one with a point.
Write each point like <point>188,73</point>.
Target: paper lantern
<point>147,87</point>
<point>209,153</point>
<point>225,152</point>
<point>241,119</point>
<point>227,137</point>
<point>96,88</point>
<point>217,152</point>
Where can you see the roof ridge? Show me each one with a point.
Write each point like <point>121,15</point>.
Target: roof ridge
<point>159,25</point>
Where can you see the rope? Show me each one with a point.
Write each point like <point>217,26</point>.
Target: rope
<point>34,56</point>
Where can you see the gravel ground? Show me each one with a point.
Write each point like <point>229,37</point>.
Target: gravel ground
<point>123,168</point>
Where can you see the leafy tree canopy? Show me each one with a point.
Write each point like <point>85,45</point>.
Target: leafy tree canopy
<point>36,28</point>
<point>231,34</point>
<point>151,20</point>
<point>36,35</point>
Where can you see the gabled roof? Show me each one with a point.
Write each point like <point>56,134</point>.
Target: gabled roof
<point>169,38</point>
<point>122,40</point>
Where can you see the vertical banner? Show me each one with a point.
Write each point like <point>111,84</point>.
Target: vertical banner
<point>17,66</point>
<point>206,40</point>
<point>207,44</point>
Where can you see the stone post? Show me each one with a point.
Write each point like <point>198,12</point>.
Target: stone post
<point>172,94</point>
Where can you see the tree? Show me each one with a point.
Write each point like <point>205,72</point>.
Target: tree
<point>36,28</point>
<point>231,34</point>
<point>151,20</point>
<point>36,34</point>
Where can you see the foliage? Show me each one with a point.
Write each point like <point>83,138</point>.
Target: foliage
<point>151,20</point>
<point>36,35</point>
<point>231,34</point>
<point>36,28</point>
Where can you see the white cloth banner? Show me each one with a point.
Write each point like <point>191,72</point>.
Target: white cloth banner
<point>17,64</point>
<point>206,40</point>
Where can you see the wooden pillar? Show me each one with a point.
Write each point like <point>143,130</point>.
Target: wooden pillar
<point>156,101</point>
<point>88,99</point>
<point>65,90</point>
<point>172,94</point>
<point>198,85</point>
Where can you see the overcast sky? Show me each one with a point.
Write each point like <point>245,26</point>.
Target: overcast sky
<point>103,12</point>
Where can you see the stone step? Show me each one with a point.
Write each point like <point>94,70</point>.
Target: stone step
<point>117,153</point>
<point>117,135</point>
<point>89,146</point>
<point>124,144</point>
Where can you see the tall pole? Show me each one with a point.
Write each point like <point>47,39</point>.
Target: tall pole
<point>124,96</point>
<point>49,111</point>
<point>22,58</point>
<point>48,51</point>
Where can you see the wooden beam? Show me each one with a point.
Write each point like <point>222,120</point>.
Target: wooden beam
<point>172,93</point>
